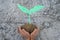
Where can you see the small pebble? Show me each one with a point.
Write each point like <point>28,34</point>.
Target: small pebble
<point>58,18</point>
<point>46,24</point>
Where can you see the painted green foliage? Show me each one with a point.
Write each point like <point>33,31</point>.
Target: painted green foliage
<point>32,10</point>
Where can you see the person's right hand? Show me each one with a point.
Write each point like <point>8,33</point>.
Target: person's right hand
<point>23,33</point>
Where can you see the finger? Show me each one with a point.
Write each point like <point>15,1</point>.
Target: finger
<point>19,29</point>
<point>23,32</point>
<point>26,33</point>
<point>35,32</point>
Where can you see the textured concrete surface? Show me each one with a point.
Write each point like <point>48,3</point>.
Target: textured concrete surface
<point>48,19</point>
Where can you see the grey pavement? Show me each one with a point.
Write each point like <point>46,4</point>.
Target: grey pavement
<point>48,19</point>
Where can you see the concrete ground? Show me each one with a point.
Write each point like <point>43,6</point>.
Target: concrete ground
<point>48,19</point>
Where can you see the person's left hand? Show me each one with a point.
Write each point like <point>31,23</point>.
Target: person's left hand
<point>34,34</point>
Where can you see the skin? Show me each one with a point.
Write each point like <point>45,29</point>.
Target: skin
<point>27,35</point>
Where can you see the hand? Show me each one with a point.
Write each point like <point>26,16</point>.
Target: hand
<point>23,33</point>
<point>34,34</point>
<point>27,35</point>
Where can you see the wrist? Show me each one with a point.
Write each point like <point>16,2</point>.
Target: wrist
<point>32,39</point>
<point>28,39</point>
